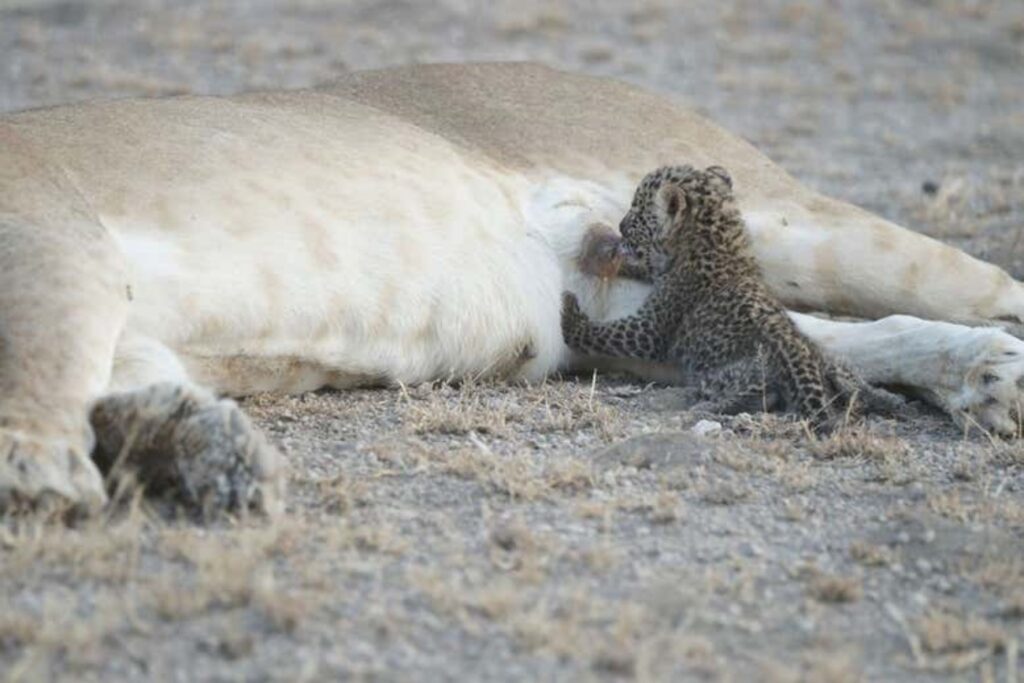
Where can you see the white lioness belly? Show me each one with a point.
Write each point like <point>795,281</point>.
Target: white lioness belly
<point>290,269</point>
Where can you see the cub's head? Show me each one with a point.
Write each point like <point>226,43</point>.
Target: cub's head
<point>660,203</point>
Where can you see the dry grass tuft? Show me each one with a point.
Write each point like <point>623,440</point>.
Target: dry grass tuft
<point>100,551</point>
<point>835,589</point>
<point>833,666</point>
<point>486,408</point>
<point>571,475</point>
<point>871,555</point>
<point>62,626</point>
<point>945,633</point>
<point>222,570</point>
<point>860,443</point>
<point>457,410</point>
<point>517,475</point>
<point>340,493</point>
<point>1003,575</point>
<point>797,477</point>
<point>511,476</point>
<point>666,508</point>
<point>890,456</point>
<point>1013,605</point>
<point>987,509</point>
<point>948,642</point>
<point>517,549</point>
<point>723,492</point>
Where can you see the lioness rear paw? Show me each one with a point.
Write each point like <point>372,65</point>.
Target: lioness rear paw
<point>41,474</point>
<point>185,442</point>
<point>992,393</point>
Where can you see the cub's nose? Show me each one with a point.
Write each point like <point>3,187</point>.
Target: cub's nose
<point>626,250</point>
<point>614,250</point>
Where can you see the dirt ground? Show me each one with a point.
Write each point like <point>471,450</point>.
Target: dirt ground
<point>579,529</point>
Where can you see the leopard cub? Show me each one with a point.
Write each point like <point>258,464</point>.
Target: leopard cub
<point>710,311</point>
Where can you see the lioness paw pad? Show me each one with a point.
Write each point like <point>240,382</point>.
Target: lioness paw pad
<point>41,474</point>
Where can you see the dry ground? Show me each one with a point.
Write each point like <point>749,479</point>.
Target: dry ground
<point>575,530</point>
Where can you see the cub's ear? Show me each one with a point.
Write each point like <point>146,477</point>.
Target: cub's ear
<point>720,173</point>
<point>672,200</point>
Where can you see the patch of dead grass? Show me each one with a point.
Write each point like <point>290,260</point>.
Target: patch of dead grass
<point>516,476</point>
<point>62,627</point>
<point>860,443</point>
<point>835,589</point>
<point>484,408</point>
<point>99,551</point>
<point>722,492</point>
<point>946,633</point>
<point>1002,510</point>
<point>871,555</point>
<point>458,410</point>
<point>797,477</point>
<point>517,549</point>
<point>889,456</point>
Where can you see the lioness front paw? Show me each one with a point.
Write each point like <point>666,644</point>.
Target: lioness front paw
<point>185,442</point>
<point>47,474</point>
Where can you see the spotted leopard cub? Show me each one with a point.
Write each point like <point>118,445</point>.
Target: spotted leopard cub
<point>710,310</point>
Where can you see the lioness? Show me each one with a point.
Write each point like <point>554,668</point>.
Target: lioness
<point>399,226</point>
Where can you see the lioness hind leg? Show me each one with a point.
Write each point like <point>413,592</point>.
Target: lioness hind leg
<point>180,440</point>
<point>62,305</point>
<point>825,255</point>
<point>975,374</point>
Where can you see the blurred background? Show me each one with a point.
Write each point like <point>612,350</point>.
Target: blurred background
<point>911,108</point>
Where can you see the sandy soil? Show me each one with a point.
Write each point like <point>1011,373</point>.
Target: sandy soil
<point>574,530</point>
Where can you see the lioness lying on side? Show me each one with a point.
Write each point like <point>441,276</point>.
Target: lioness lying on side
<point>398,226</point>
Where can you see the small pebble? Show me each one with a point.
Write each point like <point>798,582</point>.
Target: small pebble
<point>707,428</point>
<point>749,550</point>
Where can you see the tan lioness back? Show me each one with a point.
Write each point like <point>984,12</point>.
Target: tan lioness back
<point>528,115</point>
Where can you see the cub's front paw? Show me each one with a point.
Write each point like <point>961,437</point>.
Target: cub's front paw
<point>573,319</point>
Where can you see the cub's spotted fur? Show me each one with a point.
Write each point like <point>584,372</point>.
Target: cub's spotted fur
<point>710,309</point>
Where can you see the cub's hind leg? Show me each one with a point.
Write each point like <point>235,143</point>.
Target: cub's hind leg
<point>180,439</point>
<point>849,387</point>
<point>738,387</point>
<point>63,302</point>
